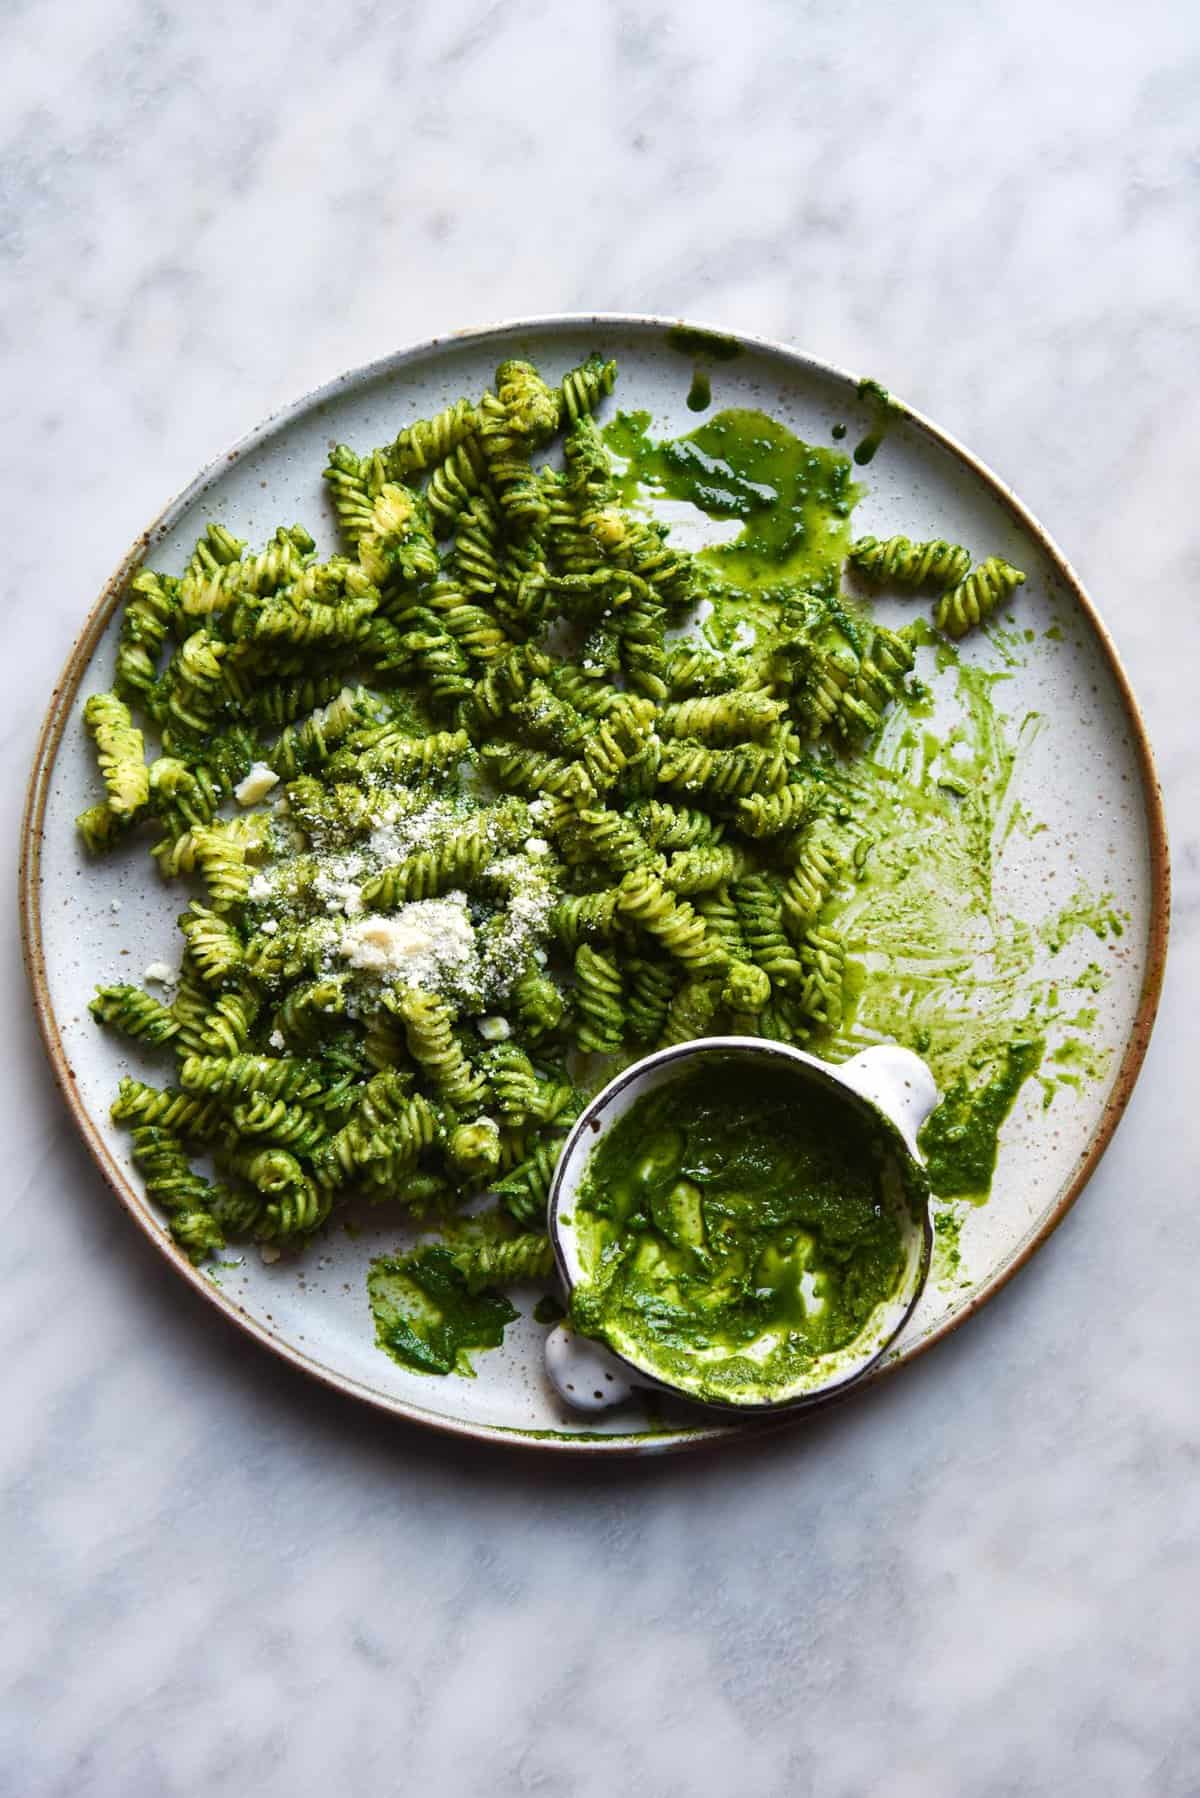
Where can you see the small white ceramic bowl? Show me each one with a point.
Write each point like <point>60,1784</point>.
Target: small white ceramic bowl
<point>888,1085</point>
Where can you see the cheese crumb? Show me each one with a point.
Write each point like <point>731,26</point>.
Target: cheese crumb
<point>160,972</point>
<point>276,1039</point>
<point>423,944</point>
<point>493,1030</point>
<point>536,846</point>
<point>268,1252</point>
<point>257,784</point>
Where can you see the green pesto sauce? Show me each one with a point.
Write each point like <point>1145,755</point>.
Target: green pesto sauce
<point>1084,912</point>
<point>933,961</point>
<point>703,343</point>
<point>946,1263</point>
<point>960,1139</point>
<point>839,431</point>
<point>699,397</point>
<point>794,500</point>
<point>884,410</point>
<point>733,1227</point>
<point>424,1316</point>
<point>548,1310</point>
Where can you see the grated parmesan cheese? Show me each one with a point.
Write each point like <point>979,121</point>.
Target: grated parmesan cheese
<point>159,971</point>
<point>494,1030</point>
<point>429,943</point>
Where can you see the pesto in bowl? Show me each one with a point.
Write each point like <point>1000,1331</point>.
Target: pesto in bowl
<point>742,1228</point>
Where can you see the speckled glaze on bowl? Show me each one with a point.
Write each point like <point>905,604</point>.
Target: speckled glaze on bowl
<point>1091,770</point>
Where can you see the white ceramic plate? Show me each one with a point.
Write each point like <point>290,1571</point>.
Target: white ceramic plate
<point>1088,773</point>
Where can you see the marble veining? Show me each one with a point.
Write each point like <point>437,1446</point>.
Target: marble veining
<point>977,1579</point>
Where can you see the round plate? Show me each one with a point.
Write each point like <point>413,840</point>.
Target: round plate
<point>1089,772</point>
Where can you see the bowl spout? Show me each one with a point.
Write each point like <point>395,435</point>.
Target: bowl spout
<point>896,1081</point>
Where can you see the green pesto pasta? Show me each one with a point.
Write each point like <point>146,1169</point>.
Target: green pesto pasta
<point>977,597</point>
<point>911,566</point>
<point>467,814</point>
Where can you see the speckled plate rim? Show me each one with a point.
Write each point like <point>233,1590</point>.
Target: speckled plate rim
<point>673,1438</point>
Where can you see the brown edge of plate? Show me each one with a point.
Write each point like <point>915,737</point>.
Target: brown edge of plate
<point>32,828</point>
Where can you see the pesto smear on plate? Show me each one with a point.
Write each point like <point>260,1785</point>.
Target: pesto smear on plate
<point>736,1225</point>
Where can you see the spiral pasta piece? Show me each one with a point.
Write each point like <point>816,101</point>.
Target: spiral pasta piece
<point>456,863</point>
<point>977,597</point>
<point>897,562</point>
<point>723,718</point>
<point>429,1030</point>
<point>523,1191</point>
<point>702,870</point>
<point>600,1025</point>
<point>149,613</point>
<point>240,1077</point>
<point>777,814</point>
<point>454,483</point>
<point>120,750</point>
<point>186,1114</point>
<point>760,914</point>
<point>509,1074</point>
<point>134,1013</point>
<point>650,989</point>
<point>428,441</point>
<point>723,773</point>
<point>522,414</point>
<point>584,387</point>
<point>226,1028</point>
<point>691,1012</point>
<point>646,901</point>
<point>539,1003</point>
<point>491,1264</point>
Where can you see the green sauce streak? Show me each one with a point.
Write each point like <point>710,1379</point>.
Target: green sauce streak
<point>703,343</point>
<point>947,1265</point>
<point>699,397</point>
<point>839,431</point>
<point>733,1210</point>
<point>793,499</point>
<point>424,1316</point>
<point>959,1141</point>
<point>1084,912</point>
<point>885,410</point>
<point>933,961</point>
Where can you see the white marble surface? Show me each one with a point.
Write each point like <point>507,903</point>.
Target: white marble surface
<point>982,1579</point>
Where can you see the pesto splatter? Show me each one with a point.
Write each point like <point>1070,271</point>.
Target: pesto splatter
<point>884,410</point>
<point>961,1138</point>
<point>426,1319</point>
<point>1084,912</point>
<point>793,500</point>
<point>946,1266</point>
<point>686,341</point>
<point>699,397</point>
